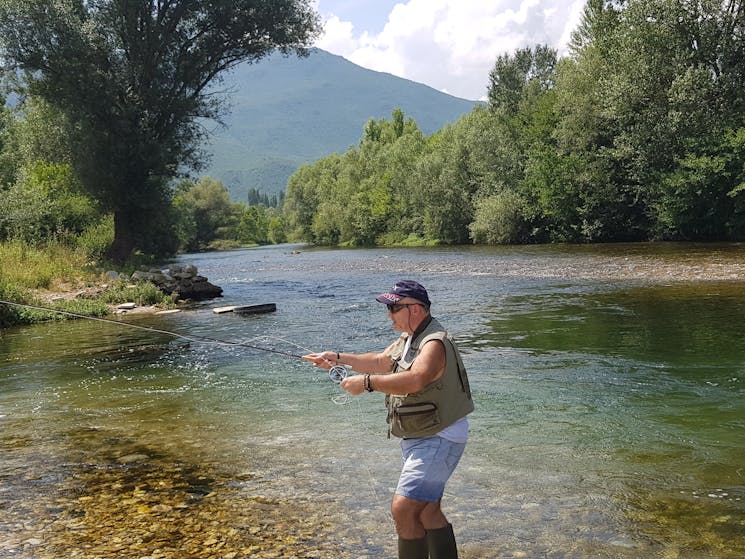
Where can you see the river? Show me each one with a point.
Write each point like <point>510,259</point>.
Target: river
<point>609,423</point>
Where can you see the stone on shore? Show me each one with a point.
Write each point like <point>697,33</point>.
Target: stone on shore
<point>184,282</point>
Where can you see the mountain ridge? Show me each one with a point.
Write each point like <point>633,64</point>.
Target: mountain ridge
<point>286,111</point>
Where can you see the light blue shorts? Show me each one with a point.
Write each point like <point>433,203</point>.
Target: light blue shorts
<point>428,463</point>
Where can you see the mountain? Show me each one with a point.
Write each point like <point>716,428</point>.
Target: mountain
<point>286,111</point>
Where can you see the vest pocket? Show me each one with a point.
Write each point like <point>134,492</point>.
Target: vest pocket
<point>412,419</point>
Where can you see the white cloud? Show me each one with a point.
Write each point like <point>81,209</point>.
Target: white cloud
<point>452,45</point>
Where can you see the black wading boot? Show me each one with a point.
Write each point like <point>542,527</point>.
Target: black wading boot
<point>413,549</point>
<point>442,543</point>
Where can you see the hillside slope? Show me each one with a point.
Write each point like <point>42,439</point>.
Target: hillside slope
<point>286,111</point>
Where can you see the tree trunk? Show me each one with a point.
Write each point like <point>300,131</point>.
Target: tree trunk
<point>123,245</point>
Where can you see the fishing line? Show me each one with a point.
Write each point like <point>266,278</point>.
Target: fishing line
<point>336,373</point>
<point>189,337</point>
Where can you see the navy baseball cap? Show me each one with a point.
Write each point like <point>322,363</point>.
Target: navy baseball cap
<point>405,288</point>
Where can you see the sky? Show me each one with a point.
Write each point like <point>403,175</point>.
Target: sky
<point>450,45</point>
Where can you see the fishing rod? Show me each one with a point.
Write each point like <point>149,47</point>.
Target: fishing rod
<point>336,373</point>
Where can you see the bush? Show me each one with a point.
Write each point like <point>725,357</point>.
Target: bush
<point>84,307</point>
<point>143,293</point>
<point>96,239</point>
<point>35,268</point>
<point>9,314</point>
<point>498,219</point>
<point>44,205</point>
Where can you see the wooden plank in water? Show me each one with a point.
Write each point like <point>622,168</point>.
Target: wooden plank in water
<point>256,309</point>
<point>220,310</point>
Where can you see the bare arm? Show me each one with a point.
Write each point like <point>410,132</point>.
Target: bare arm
<point>428,367</point>
<point>377,363</point>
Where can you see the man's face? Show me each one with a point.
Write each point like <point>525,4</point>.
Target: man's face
<point>400,314</point>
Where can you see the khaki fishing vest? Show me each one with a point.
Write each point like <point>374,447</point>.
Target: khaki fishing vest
<point>439,404</point>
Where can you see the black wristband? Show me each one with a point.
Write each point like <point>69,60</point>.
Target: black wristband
<point>367,384</point>
<point>338,357</point>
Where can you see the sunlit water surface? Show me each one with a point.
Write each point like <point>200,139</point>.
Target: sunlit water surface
<point>609,420</point>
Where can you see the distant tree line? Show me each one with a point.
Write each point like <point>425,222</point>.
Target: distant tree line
<point>207,218</point>
<point>42,199</point>
<point>256,197</point>
<point>638,134</point>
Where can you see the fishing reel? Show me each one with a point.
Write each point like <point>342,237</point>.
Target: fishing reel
<point>338,373</point>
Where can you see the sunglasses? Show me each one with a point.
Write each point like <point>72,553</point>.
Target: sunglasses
<point>394,308</point>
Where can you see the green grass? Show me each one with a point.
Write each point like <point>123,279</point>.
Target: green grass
<point>143,293</point>
<point>25,271</point>
<point>27,267</point>
<point>11,315</point>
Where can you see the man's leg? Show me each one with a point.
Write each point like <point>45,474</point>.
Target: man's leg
<point>420,523</point>
<point>423,530</point>
<point>413,549</point>
<point>412,537</point>
<point>441,543</point>
<point>440,536</point>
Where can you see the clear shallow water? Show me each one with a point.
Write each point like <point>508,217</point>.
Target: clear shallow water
<point>609,385</point>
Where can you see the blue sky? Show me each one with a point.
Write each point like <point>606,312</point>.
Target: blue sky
<point>450,45</point>
<point>370,15</point>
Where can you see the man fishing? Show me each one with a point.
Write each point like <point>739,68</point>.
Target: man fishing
<point>428,399</point>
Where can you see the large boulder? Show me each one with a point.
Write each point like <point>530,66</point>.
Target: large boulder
<point>182,281</point>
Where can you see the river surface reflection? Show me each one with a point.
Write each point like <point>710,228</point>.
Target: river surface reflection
<point>608,380</point>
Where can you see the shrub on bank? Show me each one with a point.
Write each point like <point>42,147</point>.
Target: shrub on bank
<point>8,314</point>
<point>29,267</point>
<point>24,268</point>
<point>143,293</point>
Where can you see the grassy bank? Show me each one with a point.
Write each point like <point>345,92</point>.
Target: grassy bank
<point>52,275</point>
<point>51,267</point>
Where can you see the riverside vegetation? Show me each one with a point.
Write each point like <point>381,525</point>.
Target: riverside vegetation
<point>60,277</point>
<point>637,134</point>
<point>103,123</point>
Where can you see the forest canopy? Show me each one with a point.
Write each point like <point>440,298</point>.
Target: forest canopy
<point>638,134</point>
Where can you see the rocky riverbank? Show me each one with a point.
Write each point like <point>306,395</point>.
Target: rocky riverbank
<point>180,282</point>
<point>121,499</point>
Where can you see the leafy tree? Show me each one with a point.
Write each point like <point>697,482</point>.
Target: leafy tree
<point>398,122</point>
<point>703,198</point>
<point>45,204</point>
<point>40,132</point>
<point>204,209</point>
<point>372,131</point>
<point>255,198</point>
<point>652,89</point>
<point>512,73</point>
<point>253,224</point>
<point>133,78</point>
<point>304,195</point>
<point>7,155</point>
<point>277,230</point>
<point>44,199</point>
<point>499,219</point>
<point>362,196</point>
<point>444,184</point>
<point>595,170</point>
